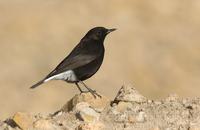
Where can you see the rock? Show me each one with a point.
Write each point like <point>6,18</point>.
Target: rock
<point>91,126</point>
<point>122,106</point>
<point>141,117</point>
<point>23,120</point>
<point>121,118</point>
<point>86,113</point>
<point>129,94</point>
<point>189,105</point>
<point>99,104</point>
<point>128,112</point>
<point>131,119</point>
<point>149,101</point>
<point>124,117</point>
<point>44,124</point>
<point>172,98</point>
<point>157,102</point>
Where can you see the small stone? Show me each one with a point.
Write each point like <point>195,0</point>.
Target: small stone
<point>91,126</point>
<point>99,104</point>
<point>131,119</point>
<point>86,113</point>
<point>121,118</point>
<point>184,101</point>
<point>190,105</point>
<point>149,101</point>
<point>122,106</point>
<point>129,94</point>
<point>81,106</point>
<point>172,98</point>
<point>23,120</point>
<point>157,102</point>
<point>141,117</point>
<point>43,124</point>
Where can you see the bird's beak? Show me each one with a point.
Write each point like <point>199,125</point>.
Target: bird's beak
<point>111,30</point>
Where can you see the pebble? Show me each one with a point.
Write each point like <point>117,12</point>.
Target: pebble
<point>23,120</point>
<point>99,104</point>
<point>44,124</point>
<point>129,94</point>
<point>91,126</point>
<point>122,106</point>
<point>172,98</point>
<point>86,113</point>
<point>141,117</point>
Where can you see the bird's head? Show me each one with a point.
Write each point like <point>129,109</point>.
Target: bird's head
<point>98,33</point>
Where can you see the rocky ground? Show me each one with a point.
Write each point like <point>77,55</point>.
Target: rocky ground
<point>128,111</point>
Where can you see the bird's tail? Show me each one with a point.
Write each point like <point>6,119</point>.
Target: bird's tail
<point>37,84</point>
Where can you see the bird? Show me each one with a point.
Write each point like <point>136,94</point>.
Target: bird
<point>82,62</point>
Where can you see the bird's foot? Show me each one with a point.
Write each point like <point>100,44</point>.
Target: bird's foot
<point>83,92</point>
<point>94,93</point>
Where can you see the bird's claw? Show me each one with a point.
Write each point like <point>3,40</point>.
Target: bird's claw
<point>95,94</point>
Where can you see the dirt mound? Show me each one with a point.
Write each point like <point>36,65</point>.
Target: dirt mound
<point>129,110</point>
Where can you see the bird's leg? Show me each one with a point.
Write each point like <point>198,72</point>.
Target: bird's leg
<point>93,92</point>
<point>89,89</point>
<point>79,88</point>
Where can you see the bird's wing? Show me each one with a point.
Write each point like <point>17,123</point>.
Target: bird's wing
<point>70,63</point>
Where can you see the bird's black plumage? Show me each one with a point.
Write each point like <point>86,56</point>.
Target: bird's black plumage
<point>84,60</point>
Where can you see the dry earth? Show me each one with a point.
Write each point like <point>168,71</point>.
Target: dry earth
<point>128,111</point>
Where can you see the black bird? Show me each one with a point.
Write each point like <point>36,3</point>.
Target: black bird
<point>83,62</point>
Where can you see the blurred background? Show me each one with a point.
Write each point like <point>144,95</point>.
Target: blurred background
<point>156,48</point>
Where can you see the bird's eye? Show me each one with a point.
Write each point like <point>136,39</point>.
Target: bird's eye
<point>99,33</point>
